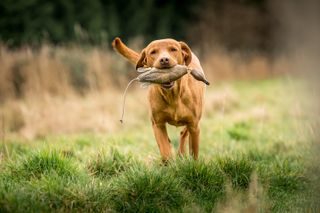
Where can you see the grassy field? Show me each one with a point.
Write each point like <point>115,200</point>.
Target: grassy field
<point>255,155</point>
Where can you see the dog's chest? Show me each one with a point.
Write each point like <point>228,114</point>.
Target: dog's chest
<point>174,107</point>
<point>178,113</point>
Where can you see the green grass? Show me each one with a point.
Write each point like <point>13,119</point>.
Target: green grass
<point>254,156</point>
<point>107,165</point>
<point>147,190</point>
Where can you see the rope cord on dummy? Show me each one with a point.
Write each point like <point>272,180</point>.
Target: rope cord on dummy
<point>124,98</point>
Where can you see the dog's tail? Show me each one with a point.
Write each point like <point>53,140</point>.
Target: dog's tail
<point>125,51</point>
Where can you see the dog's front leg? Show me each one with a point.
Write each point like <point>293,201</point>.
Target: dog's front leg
<point>194,138</point>
<point>161,135</point>
<point>182,146</point>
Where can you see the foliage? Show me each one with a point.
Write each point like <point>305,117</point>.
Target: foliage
<point>95,21</point>
<point>99,21</point>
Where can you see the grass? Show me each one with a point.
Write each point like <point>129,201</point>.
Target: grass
<point>147,190</point>
<point>255,150</point>
<point>106,166</point>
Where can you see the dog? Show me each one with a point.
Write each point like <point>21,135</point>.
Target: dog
<point>178,103</point>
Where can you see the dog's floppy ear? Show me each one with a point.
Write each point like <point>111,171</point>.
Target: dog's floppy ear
<point>186,52</point>
<point>142,60</point>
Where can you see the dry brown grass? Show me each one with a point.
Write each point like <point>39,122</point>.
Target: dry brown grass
<point>58,71</point>
<point>96,112</point>
<point>220,65</point>
<point>71,89</point>
<point>252,201</point>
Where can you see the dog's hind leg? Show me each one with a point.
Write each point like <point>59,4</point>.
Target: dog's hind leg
<point>182,145</point>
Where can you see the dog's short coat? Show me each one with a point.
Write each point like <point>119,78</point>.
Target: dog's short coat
<point>178,103</point>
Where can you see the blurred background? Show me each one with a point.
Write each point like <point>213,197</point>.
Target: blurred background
<point>59,74</point>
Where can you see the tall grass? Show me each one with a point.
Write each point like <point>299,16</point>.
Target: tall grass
<point>69,89</point>
<point>46,180</point>
<point>59,71</point>
<point>56,71</point>
<point>106,166</point>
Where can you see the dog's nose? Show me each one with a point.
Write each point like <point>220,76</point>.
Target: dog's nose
<point>164,61</point>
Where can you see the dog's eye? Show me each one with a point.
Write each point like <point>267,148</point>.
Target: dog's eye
<point>153,52</point>
<point>172,49</point>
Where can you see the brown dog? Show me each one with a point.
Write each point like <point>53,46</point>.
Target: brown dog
<point>178,103</point>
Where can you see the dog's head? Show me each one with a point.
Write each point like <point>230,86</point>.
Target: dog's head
<point>165,53</point>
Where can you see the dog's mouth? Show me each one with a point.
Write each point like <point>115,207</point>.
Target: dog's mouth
<point>168,85</point>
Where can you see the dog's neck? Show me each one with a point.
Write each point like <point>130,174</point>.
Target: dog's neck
<point>172,95</point>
